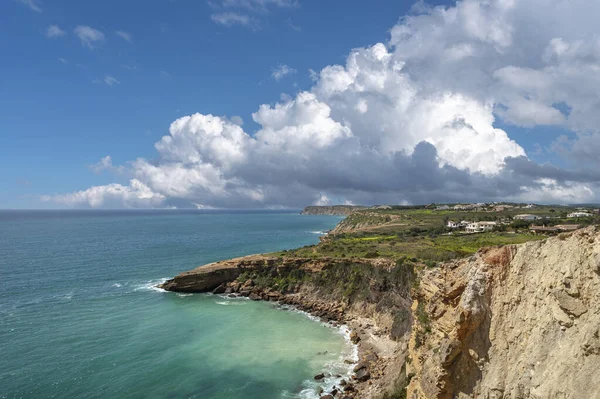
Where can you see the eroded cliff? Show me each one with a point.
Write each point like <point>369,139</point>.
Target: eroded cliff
<point>513,322</point>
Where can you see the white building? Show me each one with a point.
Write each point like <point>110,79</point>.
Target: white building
<point>579,215</point>
<point>452,224</point>
<point>442,208</point>
<point>464,207</point>
<point>478,227</point>
<point>526,217</point>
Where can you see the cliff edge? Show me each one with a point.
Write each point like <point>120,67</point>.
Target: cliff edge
<point>513,322</point>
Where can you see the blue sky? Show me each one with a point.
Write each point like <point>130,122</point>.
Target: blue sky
<point>56,121</point>
<point>66,103</point>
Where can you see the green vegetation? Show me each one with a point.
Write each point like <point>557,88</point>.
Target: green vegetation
<point>357,280</point>
<point>283,280</point>
<point>420,233</point>
<point>425,247</point>
<point>352,281</point>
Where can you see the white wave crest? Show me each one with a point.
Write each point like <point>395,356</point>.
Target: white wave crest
<point>339,367</point>
<point>151,285</point>
<point>230,303</point>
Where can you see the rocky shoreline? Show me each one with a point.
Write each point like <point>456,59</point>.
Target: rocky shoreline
<point>374,347</point>
<point>446,331</point>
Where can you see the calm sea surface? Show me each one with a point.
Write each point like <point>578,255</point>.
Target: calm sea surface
<point>79,317</point>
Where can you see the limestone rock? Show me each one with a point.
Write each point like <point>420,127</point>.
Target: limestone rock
<point>362,375</point>
<point>515,322</point>
<point>572,306</point>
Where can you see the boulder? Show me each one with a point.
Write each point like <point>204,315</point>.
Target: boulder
<point>360,366</point>
<point>362,375</point>
<point>221,289</point>
<point>327,397</point>
<point>354,338</point>
<point>319,376</point>
<point>254,296</point>
<point>370,357</point>
<point>572,306</point>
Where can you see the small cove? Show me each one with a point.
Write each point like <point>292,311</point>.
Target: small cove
<point>80,317</point>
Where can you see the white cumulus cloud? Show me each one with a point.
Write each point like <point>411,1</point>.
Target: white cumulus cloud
<point>414,119</point>
<point>134,195</point>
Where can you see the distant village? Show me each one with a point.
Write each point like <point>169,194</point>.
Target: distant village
<point>471,226</point>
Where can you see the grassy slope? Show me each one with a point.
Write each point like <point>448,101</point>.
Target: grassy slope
<point>420,234</point>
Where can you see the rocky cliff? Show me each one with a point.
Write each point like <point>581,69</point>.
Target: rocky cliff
<point>340,210</point>
<point>513,322</point>
<point>519,321</point>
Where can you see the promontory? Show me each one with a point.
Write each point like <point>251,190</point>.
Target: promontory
<point>475,302</point>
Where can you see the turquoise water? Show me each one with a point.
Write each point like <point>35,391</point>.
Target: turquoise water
<point>80,317</point>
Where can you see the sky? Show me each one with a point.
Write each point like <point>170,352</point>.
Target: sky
<point>287,103</point>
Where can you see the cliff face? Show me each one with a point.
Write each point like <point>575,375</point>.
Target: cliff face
<point>513,322</point>
<point>340,210</point>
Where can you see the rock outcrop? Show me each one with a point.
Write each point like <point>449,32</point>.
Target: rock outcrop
<point>209,277</point>
<point>512,322</point>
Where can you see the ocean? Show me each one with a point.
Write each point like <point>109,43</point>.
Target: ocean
<point>80,316</point>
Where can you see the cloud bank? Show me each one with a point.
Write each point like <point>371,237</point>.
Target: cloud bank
<point>409,121</point>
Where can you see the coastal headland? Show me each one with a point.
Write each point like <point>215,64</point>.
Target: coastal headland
<point>439,311</point>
